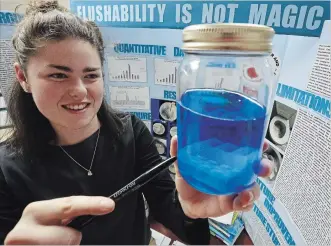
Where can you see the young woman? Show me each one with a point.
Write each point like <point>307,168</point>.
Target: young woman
<point>69,151</point>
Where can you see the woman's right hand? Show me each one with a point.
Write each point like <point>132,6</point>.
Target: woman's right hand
<point>44,222</point>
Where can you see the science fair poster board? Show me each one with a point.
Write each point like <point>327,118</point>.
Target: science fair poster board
<point>143,46</point>
<point>143,51</point>
<point>143,54</point>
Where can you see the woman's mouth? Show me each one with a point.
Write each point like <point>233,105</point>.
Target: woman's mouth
<point>76,107</point>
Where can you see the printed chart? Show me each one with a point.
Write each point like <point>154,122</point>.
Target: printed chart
<point>222,78</point>
<point>166,71</point>
<point>127,69</point>
<point>129,97</point>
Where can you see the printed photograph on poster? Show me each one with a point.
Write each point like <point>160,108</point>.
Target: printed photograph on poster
<point>129,97</point>
<point>280,126</point>
<point>276,157</point>
<point>168,111</point>
<point>166,71</point>
<point>127,69</point>
<point>161,146</point>
<point>164,121</point>
<point>159,128</point>
<point>164,111</point>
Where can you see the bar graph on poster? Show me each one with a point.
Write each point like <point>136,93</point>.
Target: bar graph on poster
<point>129,97</point>
<point>124,68</point>
<point>218,77</point>
<point>166,71</point>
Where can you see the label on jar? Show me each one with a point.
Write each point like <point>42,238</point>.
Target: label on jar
<point>250,92</point>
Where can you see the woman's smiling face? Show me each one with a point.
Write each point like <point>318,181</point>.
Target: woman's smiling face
<point>65,79</point>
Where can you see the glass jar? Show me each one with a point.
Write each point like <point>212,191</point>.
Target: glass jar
<point>224,97</point>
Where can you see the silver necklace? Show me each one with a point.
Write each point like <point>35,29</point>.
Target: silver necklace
<point>89,172</point>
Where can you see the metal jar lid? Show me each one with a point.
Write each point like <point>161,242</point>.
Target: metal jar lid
<point>228,36</point>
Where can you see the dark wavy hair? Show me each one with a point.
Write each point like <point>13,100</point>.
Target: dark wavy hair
<point>46,21</point>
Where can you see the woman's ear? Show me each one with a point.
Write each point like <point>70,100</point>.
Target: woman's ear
<point>21,77</point>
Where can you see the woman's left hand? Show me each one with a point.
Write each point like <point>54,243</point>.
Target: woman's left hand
<point>196,204</point>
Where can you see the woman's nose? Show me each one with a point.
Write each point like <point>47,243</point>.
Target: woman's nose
<point>78,90</point>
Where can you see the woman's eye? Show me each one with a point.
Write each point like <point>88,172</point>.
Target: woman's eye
<point>92,76</point>
<point>58,76</point>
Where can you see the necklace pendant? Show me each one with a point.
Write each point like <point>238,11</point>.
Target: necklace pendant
<point>89,173</point>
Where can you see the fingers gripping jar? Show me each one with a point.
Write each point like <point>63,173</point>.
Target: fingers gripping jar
<point>224,94</point>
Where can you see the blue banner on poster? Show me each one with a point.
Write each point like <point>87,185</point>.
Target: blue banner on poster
<point>9,18</point>
<point>303,18</point>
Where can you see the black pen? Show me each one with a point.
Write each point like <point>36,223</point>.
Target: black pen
<point>82,221</point>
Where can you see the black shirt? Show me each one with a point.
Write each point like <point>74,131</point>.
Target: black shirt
<point>117,162</point>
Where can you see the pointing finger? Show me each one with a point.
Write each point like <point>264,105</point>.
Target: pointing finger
<point>44,235</point>
<point>56,210</point>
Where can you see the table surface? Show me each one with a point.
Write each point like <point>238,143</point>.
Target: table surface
<point>243,239</point>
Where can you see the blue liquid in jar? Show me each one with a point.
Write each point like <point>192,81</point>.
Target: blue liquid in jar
<point>220,134</point>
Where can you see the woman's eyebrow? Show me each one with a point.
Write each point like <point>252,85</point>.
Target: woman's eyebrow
<point>60,67</point>
<point>90,69</point>
<point>68,69</point>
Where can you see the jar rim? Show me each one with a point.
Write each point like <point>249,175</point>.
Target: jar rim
<point>228,36</point>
